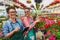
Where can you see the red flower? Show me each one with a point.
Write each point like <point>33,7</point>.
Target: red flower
<point>57,1</point>
<point>42,18</point>
<point>46,25</point>
<point>57,30</point>
<point>58,22</point>
<point>48,32</point>
<point>53,28</point>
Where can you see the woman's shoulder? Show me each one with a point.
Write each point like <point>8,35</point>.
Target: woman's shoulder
<point>24,17</point>
<point>6,23</point>
<point>31,16</point>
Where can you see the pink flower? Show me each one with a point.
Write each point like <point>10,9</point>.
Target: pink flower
<point>1,34</point>
<point>52,37</point>
<point>1,29</point>
<point>51,22</point>
<point>47,24</point>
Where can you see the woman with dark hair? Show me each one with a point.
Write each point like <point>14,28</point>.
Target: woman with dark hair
<point>28,22</point>
<point>13,27</point>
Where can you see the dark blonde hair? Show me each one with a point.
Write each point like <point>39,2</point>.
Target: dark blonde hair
<point>10,7</point>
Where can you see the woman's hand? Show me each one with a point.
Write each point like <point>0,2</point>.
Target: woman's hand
<point>12,32</point>
<point>38,20</point>
<point>26,32</point>
<point>16,29</point>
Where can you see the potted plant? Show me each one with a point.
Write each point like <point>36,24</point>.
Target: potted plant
<point>40,25</point>
<point>54,29</point>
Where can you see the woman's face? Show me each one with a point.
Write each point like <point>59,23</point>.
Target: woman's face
<point>27,12</point>
<point>12,13</point>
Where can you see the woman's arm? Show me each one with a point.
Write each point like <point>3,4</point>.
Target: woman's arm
<point>8,34</point>
<point>27,24</point>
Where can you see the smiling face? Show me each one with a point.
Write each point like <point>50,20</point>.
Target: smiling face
<point>27,12</point>
<point>12,13</point>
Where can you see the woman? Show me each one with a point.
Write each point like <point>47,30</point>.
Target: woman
<point>28,22</point>
<point>13,27</point>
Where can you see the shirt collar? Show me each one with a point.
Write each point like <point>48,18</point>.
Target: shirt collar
<point>12,22</point>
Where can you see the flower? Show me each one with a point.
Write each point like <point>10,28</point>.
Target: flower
<point>52,37</point>
<point>32,6</point>
<point>46,25</point>
<point>1,34</point>
<point>28,1</point>
<point>38,1</point>
<point>1,29</point>
<point>48,32</point>
<point>40,24</point>
<point>56,30</point>
<point>53,28</point>
<point>58,22</point>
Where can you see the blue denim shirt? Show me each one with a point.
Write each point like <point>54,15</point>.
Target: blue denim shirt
<point>8,26</point>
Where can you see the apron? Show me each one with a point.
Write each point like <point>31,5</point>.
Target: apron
<point>17,35</point>
<point>31,34</point>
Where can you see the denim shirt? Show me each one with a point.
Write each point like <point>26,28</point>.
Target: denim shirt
<point>8,26</point>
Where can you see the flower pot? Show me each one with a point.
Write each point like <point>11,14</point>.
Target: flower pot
<point>28,1</point>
